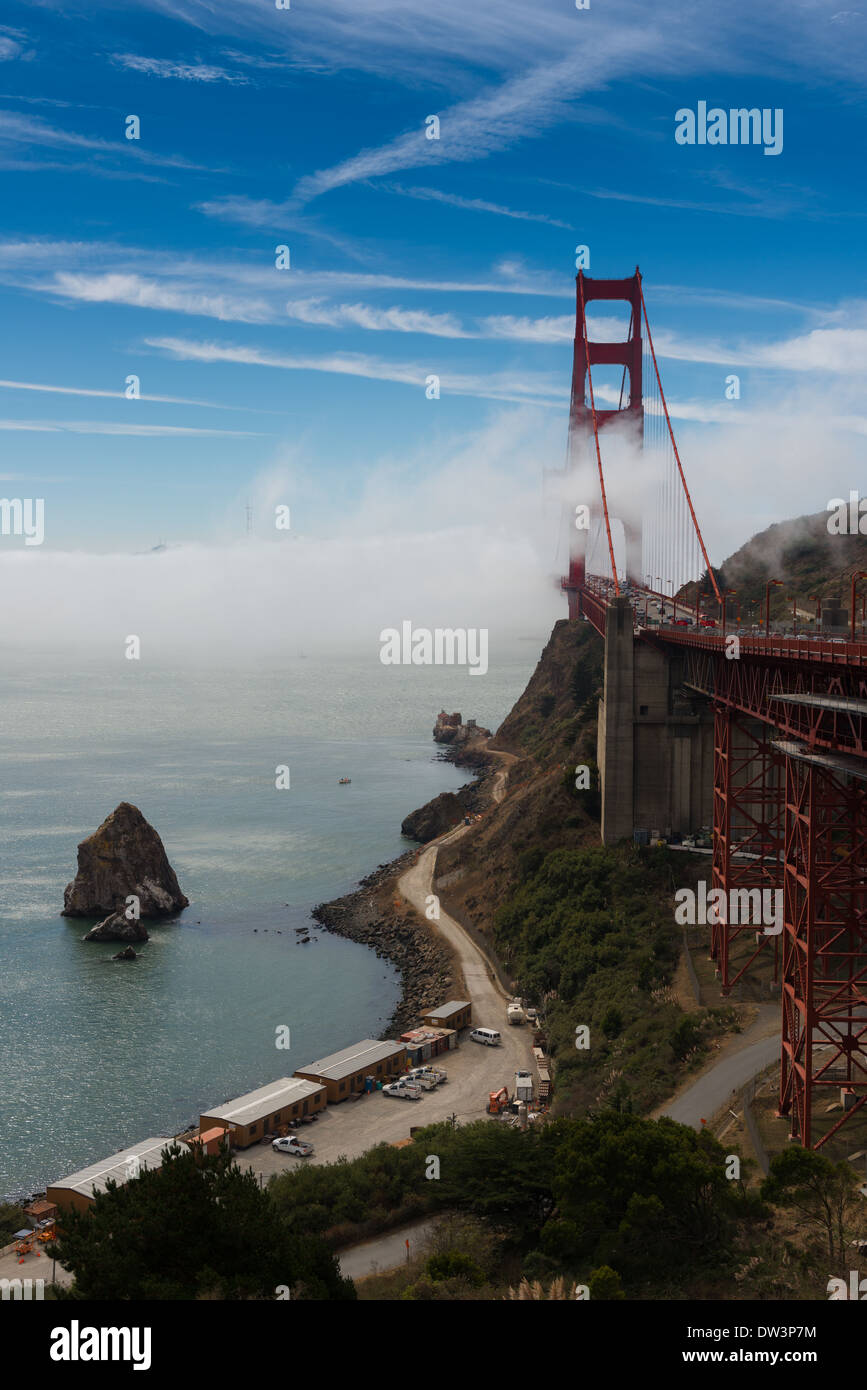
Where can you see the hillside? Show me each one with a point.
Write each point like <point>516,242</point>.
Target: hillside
<point>800,552</point>
<point>587,930</point>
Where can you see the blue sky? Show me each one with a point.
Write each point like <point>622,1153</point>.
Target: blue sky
<point>411,257</point>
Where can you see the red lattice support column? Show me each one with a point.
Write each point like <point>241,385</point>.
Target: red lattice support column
<point>747,843</point>
<point>824,1034</point>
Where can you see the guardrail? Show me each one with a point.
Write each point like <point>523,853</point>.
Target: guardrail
<point>823,650</point>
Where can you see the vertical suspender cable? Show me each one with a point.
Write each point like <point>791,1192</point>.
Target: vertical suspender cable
<point>674,447</point>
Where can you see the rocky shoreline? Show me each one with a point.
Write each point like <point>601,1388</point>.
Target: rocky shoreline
<point>428,970</point>
<point>368,915</point>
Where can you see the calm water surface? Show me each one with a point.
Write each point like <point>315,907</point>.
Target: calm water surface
<point>96,1054</point>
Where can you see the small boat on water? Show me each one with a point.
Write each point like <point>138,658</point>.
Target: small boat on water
<point>344,782</point>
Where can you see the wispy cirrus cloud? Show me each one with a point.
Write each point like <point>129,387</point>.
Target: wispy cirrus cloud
<point>20,131</point>
<point>520,109</point>
<point>119,427</point>
<point>319,312</point>
<point>436,195</point>
<point>837,350</point>
<point>13,44</point>
<point>521,387</point>
<point>135,290</point>
<point>145,398</point>
<point>183,72</point>
<point>836,347</point>
<point>23,260</point>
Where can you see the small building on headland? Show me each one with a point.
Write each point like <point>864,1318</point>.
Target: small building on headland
<point>422,1044</point>
<point>345,1072</point>
<point>265,1110</point>
<point>78,1191</point>
<point>450,728</point>
<point>456,1013</point>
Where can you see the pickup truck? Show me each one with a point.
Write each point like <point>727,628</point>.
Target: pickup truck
<point>402,1090</point>
<point>426,1077</point>
<point>293,1145</point>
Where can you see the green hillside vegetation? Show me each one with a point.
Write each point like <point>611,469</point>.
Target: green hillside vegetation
<point>803,555</point>
<point>558,708</point>
<point>648,1198</point>
<point>625,1205</point>
<point>197,1227</point>
<point>591,933</point>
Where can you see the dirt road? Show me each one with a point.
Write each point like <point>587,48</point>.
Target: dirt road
<point>473,1070</point>
<point>495,1066</point>
<point>501,778</point>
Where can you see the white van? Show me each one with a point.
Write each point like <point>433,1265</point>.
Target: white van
<point>489,1036</point>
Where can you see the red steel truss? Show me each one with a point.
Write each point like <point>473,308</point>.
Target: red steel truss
<point>747,843</point>
<point>824,946</point>
<point>814,691</point>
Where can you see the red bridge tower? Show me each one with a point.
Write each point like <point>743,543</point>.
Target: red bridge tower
<point>585,419</point>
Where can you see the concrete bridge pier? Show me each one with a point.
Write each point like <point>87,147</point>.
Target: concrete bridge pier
<point>655,739</point>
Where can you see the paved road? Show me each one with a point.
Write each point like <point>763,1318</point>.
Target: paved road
<point>33,1267</point>
<point>385,1252</point>
<point>755,1050</point>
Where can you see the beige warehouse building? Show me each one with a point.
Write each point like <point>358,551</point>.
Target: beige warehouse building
<point>78,1190</point>
<point>264,1111</point>
<point>344,1072</point>
<point>456,1013</point>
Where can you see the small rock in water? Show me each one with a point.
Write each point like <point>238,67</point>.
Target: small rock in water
<point>117,927</point>
<point>126,954</point>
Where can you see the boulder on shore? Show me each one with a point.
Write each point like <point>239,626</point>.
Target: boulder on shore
<point>117,927</point>
<point>124,857</point>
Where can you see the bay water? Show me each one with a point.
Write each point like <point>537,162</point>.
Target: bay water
<point>97,1054</point>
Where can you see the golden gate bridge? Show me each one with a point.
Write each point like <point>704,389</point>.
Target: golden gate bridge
<point>789,749</point>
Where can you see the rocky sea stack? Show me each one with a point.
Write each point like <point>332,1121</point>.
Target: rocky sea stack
<point>124,857</point>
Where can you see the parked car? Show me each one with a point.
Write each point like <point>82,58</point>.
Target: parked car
<point>402,1090</point>
<point>293,1145</point>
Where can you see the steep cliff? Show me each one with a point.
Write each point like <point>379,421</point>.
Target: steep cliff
<point>550,731</point>
<point>434,818</point>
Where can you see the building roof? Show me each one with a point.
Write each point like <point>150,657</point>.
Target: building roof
<point>255,1105</point>
<point>359,1056</point>
<point>40,1208</point>
<point>208,1135</point>
<point>91,1180</point>
<point>450,1008</point>
<point>426,1034</point>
